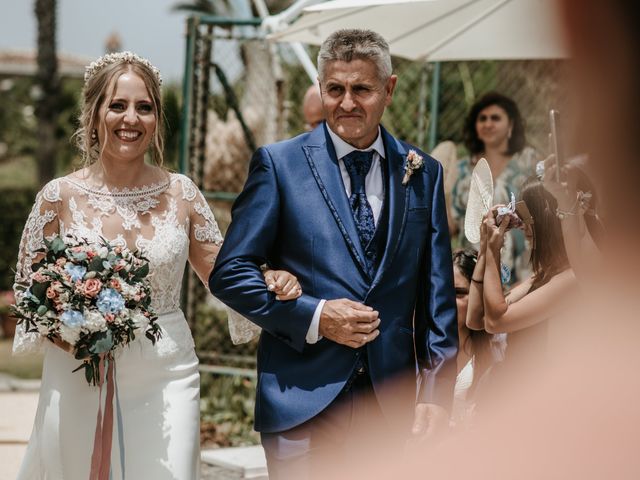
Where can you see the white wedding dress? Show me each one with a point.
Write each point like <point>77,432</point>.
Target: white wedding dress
<point>157,386</point>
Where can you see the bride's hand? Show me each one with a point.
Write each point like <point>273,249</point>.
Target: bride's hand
<point>66,346</point>
<point>283,284</point>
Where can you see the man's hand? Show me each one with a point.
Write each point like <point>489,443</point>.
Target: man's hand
<point>348,323</point>
<point>430,422</point>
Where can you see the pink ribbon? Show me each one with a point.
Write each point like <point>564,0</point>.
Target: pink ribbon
<point>101,457</point>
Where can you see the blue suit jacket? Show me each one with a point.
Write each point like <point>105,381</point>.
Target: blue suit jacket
<point>294,214</point>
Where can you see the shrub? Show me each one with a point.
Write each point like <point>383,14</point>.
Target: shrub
<point>15,205</point>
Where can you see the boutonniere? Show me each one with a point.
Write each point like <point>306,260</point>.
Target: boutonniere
<point>414,162</point>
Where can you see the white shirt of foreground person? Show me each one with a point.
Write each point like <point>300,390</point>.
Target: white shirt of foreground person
<point>373,187</point>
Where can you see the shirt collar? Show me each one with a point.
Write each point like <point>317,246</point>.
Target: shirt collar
<point>343,148</point>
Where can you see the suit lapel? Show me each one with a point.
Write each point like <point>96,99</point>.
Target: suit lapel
<point>322,160</point>
<point>398,201</point>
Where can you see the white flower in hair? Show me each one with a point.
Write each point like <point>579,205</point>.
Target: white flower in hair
<point>119,57</point>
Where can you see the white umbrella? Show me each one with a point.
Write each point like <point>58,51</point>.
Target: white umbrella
<point>440,30</point>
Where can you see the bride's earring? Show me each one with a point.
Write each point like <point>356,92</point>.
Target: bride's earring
<point>94,134</point>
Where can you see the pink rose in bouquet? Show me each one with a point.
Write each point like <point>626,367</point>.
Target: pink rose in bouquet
<point>91,287</point>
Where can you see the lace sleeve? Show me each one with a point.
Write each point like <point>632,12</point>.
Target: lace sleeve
<point>204,235</point>
<point>42,222</point>
<point>241,330</point>
<point>204,245</point>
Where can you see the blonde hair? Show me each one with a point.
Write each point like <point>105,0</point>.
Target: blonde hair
<point>99,88</point>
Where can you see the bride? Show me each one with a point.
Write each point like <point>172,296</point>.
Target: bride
<point>120,197</point>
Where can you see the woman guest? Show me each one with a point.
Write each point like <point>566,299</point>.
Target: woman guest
<point>122,198</point>
<point>494,130</point>
<point>478,350</point>
<point>525,312</point>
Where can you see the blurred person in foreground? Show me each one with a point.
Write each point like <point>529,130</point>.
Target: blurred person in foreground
<point>582,229</point>
<point>312,108</point>
<point>582,419</point>
<point>495,130</point>
<point>359,217</point>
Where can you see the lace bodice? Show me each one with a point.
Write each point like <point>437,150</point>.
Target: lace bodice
<point>169,221</point>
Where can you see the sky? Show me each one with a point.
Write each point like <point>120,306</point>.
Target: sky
<point>146,27</point>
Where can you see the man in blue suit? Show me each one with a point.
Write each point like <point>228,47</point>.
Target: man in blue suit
<point>359,217</point>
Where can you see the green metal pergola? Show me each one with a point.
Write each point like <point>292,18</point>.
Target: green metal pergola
<point>195,95</point>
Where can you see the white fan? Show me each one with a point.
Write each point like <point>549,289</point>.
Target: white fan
<point>480,200</point>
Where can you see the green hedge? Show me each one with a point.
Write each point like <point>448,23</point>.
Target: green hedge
<point>15,205</point>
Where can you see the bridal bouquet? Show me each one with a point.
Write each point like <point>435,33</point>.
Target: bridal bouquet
<point>95,296</point>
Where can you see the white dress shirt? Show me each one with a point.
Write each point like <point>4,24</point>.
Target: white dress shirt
<point>373,187</point>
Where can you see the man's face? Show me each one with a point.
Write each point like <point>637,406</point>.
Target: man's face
<point>354,99</point>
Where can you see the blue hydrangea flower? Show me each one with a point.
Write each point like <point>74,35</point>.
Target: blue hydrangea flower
<point>72,318</point>
<point>110,301</point>
<point>76,272</point>
<point>30,295</point>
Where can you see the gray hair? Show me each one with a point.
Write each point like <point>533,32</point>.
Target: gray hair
<point>356,44</point>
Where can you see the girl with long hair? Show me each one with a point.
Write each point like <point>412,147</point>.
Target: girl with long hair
<point>525,311</point>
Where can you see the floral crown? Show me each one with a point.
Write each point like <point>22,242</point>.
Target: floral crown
<point>119,57</point>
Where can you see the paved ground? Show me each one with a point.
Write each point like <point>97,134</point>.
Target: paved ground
<point>211,472</point>
<point>18,402</point>
<point>17,410</point>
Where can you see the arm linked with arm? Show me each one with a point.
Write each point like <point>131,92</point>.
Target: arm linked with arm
<point>236,278</point>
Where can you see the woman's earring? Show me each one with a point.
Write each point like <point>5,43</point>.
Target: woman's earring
<point>94,135</point>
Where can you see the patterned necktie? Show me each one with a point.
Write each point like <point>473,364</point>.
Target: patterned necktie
<point>358,165</point>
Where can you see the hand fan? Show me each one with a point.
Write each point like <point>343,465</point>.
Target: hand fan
<point>480,200</point>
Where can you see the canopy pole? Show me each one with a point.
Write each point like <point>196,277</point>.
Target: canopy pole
<point>187,94</point>
<point>423,124</point>
<point>435,101</point>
